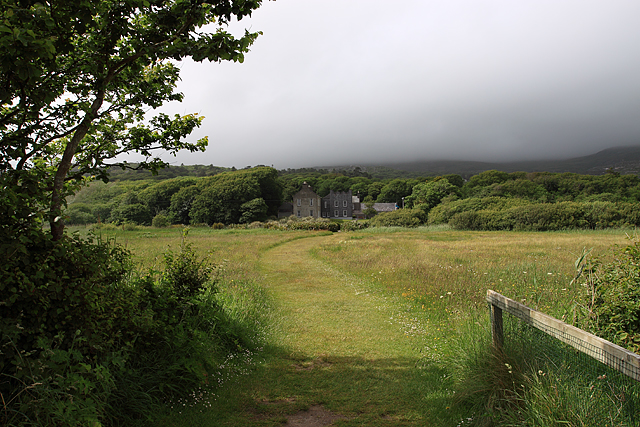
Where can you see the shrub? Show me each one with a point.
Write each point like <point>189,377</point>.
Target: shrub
<point>543,216</point>
<point>136,213</point>
<point>160,221</point>
<point>354,225</point>
<point>442,213</point>
<point>84,341</point>
<point>58,326</point>
<point>308,223</point>
<point>398,218</point>
<point>79,214</point>
<point>613,297</point>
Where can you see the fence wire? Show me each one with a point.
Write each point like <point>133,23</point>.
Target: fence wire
<point>570,378</point>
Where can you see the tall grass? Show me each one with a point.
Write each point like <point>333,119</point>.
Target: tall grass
<point>440,278</point>
<point>443,276</point>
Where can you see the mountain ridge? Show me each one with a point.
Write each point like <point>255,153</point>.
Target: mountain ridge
<point>623,160</point>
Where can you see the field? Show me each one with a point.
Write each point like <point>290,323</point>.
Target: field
<point>379,327</point>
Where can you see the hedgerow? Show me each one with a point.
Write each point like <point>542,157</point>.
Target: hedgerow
<point>399,218</point>
<point>85,340</point>
<point>545,216</point>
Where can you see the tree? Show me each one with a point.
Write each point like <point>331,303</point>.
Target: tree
<point>253,210</point>
<point>395,190</point>
<point>429,194</point>
<point>76,82</point>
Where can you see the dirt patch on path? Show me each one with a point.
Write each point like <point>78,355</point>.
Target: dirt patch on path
<point>316,416</point>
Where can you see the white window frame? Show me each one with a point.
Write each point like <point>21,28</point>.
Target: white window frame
<point>310,202</point>
<point>299,214</point>
<point>336,204</point>
<point>299,202</point>
<point>336,213</point>
<point>344,203</point>
<point>310,212</point>
<point>344,213</point>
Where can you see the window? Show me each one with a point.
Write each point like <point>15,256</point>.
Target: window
<point>344,204</point>
<point>310,202</point>
<point>344,213</point>
<point>335,213</point>
<point>299,202</point>
<point>310,212</point>
<point>336,205</point>
<point>298,214</point>
<point>326,204</point>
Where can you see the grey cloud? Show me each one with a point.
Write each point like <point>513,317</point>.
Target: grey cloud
<point>372,81</point>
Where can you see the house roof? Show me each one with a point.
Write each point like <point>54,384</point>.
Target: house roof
<point>384,207</point>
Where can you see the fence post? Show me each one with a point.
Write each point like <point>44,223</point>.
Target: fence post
<point>496,327</point>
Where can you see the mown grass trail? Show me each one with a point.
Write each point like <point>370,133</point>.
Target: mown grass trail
<point>337,345</point>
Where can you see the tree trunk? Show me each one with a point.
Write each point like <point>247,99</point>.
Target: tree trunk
<point>57,195</point>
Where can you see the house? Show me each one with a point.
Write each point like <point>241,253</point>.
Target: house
<point>379,207</point>
<point>338,205</point>
<point>335,205</point>
<point>306,203</point>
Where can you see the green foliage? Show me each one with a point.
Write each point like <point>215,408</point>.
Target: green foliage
<point>398,218</point>
<point>136,213</point>
<point>79,214</point>
<point>549,216</point>
<point>308,223</point>
<point>443,213</point>
<point>85,340</point>
<point>222,198</point>
<point>160,221</point>
<point>484,179</point>
<point>78,79</point>
<point>180,206</point>
<point>613,297</point>
<point>354,225</point>
<point>369,211</point>
<point>185,275</point>
<point>429,194</point>
<point>395,190</point>
<point>253,210</point>
<point>157,197</point>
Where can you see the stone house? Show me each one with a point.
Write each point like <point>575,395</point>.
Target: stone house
<point>338,205</point>
<point>306,202</point>
<point>335,205</point>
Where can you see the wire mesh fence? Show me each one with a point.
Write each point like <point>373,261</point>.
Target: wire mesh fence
<point>594,382</point>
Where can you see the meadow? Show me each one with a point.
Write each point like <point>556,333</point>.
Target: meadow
<point>384,326</point>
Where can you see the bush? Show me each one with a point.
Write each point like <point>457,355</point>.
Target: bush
<point>85,341</point>
<point>442,214</point>
<point>308,223</point>
<point>160,221</point>
<point>136,213</point>
<point>59,326</point>
<point>398,218</point>
<point>613,297</point>
<point>79,214</point>
<point>354,225</point>
<point>544,216</point>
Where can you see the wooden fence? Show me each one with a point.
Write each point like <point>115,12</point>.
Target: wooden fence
<point>606,352</point>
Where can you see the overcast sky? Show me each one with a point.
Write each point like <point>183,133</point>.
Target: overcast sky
<point>336,82</point>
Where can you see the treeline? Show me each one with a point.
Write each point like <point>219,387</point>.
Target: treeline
<point>496,200</point>
<point>228,198</point>
<point>491,200</point>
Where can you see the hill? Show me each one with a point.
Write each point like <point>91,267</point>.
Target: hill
<point>625,160</point>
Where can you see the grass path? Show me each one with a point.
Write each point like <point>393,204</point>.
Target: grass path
<point>338,346</point>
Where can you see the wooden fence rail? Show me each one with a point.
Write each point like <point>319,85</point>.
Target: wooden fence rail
<point>606,352</point>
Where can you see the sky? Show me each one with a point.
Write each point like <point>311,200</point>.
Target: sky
<point>349,82</point>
